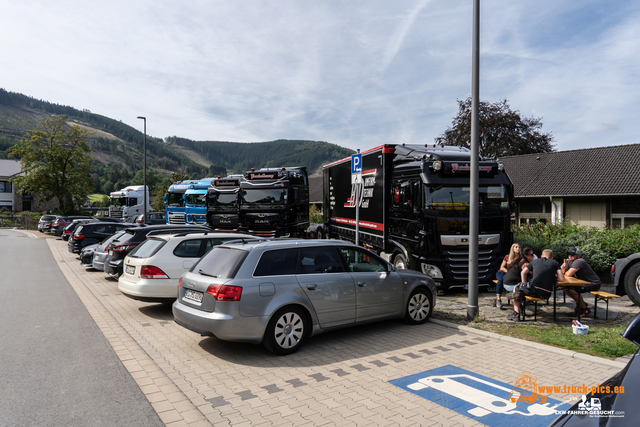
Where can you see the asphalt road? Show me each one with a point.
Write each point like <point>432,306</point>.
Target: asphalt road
<point>56,367</point>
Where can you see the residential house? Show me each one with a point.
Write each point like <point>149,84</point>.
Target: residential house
<point>597,187</point>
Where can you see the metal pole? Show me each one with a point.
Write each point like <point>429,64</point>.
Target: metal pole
<point>358,212</point>
<point>472,304</point>
<point>144,191</point>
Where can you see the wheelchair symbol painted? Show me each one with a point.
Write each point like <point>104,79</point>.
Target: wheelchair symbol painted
<point>485,403</point>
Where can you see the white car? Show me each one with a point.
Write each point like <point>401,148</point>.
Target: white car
<point>152,270</point>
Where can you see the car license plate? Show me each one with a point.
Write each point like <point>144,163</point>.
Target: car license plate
<point>110,252</point>
<point>95,258</point>
<point>130,269</point>
<point>465,287</point>
<point>193,295</point>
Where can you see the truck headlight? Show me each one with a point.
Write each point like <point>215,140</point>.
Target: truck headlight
<point>431,270</point>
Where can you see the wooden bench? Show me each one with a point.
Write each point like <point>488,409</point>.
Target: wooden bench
<point>535,306</point>
<point>602,296</point>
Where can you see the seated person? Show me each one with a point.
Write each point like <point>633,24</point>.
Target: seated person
<point>509,260</point>
<point>546,271</point>
<point>513,276</point>
<point>577,267</point>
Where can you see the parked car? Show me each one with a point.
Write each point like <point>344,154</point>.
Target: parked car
<point>86,253</point>
<point>118,249</point>
<point>44,223</point>
<point>61,221</point>
<point>153,268</point>
<point>93,232</point>
<point>69,229</point>
<point>153,218</point>
<point>280,292</point>
<point>626,277</point>
<point>615,402</point>
<point>101,253</point>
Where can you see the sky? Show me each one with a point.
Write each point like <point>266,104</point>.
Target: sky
<point>355,73</point>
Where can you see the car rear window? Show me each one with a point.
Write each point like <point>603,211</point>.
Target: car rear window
<point>221,261</point>
<point>147,249</point>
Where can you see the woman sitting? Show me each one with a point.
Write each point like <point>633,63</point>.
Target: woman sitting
<point>507,263</point>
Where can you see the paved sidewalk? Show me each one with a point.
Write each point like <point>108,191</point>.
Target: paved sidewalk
<point>338,378</point>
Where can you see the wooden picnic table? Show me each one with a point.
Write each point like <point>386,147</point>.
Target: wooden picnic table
<point>568,282</point>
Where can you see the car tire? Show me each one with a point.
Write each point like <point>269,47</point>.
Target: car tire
<point>419,307</point>
<point>287,330</point>
<point>399,261</point>
<point>632,283</point>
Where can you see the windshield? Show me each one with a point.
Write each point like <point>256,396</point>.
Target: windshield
<point>195,199</point>
<point>264,197</point>
<point>147,249</point>
<point>457,198</point>
<point>123,201</point>
<point>175,199</point>
<point>222,199</point>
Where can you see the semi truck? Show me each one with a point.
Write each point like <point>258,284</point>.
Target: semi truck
<point>414,209</point>
<point>274,202</point>
<point>222,203</point>
<point>128,203</point>
<point>195,209</point>
<point>174,201</point>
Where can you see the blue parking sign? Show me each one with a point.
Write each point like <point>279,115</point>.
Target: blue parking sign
<point>356,163</point>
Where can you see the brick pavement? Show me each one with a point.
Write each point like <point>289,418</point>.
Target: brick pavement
<point>338,378</point>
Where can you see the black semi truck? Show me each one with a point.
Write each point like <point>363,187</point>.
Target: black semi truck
<point>222,202</point>
<point>414,209</point>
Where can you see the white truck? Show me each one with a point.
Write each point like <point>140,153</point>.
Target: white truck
<point>128,203</point>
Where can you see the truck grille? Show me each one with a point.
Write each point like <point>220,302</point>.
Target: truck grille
<point>264,233</point>
<point>456,264</point>
<point>176,218</point>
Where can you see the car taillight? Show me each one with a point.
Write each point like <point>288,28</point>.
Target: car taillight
<point>613,268</point>
<point>225,293</point>
<point>152,272</point>
<point>124,248</point>
<point>180,282</point>
<point>67,232</point>
<point>78,237</point>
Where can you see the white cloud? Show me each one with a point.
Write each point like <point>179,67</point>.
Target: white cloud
<point>356,74</point>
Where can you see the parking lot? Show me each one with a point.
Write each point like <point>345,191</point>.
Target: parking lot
<point>338,378</point>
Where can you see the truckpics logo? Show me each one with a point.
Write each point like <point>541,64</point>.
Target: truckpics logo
<point>263,175</point>
<point>466,168</point>
<point>225,183</point>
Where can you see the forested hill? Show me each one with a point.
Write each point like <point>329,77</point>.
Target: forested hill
<point>117,147</point>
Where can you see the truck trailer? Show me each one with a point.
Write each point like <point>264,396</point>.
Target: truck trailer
<point>414,209</point>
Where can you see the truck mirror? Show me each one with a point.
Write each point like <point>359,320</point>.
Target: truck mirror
<point>512,205</point>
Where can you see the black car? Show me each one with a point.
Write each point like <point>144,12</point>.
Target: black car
<point>69,229</point>
<point>118,249</point>
<point>93,232</point>
<point>153,218</point>
<point>615,401</point>
<point>58,225</point>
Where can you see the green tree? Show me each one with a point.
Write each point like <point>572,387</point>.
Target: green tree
<point>503,132</point>
<point>55,163</point>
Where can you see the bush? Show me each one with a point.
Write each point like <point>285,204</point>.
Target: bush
<point>600,248</point>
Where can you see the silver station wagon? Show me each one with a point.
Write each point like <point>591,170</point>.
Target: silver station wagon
<point>280,292</point>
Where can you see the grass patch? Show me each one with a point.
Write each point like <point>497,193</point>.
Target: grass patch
<point>601,341</point>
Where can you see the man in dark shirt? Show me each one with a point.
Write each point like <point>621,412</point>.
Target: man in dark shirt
<point>578,267</point>
<point>546,271</point>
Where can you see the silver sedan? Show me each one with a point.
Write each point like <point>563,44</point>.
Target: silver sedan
<point>283,291</point>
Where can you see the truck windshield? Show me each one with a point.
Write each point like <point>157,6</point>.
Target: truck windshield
<point>264,197</point>
<point>175,199</point>
<point>457,198</point>
<point>222,199</point>
<point>118,201</point>
<point>195,199</point>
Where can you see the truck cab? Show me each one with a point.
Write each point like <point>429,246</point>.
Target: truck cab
<point>128,203</point>
<point>195,201</point>
<point>222,203</point>
<point>275,202</point>
<point>174,201</point>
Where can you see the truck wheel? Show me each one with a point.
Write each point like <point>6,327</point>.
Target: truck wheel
<point>400,262</point>
<point>419,307</point>
<point>286,331</point>
<point>632,283</point>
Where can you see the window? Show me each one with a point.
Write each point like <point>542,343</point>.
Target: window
<point>221,262</point>
<point>6,187</point>
<point>360,260</point>
<point>320,260</point>
<point>277,263</point>
<point>625,212</point>
<point>532,211</point>
<point>188,248</point>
